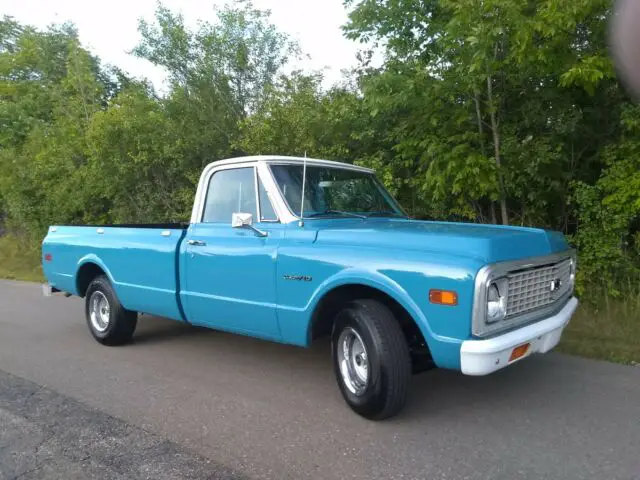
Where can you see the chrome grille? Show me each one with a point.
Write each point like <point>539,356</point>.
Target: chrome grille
<point>532,288</point>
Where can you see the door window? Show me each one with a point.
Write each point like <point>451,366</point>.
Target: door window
<point>230,191</point>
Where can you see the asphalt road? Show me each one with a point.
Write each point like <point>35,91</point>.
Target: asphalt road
<point>207,403</point>
<point>45,435</point>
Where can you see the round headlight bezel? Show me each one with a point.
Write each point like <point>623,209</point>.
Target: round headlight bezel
<point>497,292</point>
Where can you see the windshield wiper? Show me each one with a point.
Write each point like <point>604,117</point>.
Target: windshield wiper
<point>336,212</point>
<point>385,213</point>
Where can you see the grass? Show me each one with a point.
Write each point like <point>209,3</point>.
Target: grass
<point>610,331</point>
<point>20,259</point>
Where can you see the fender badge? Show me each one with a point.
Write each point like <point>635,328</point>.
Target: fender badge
<point>300,278</point>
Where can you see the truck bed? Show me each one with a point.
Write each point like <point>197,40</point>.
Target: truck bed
<point>141,261</point>
<point>166,226</point>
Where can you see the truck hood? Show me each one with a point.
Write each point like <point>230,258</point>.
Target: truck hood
<point>489,243</point>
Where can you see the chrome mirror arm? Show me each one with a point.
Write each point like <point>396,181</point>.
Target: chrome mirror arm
<point>259,233</point>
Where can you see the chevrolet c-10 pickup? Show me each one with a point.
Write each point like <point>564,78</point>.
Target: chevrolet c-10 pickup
<point>293,250</point>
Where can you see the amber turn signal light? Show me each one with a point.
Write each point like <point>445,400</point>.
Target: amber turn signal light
<point>443,297</point>
<point>519,352</point>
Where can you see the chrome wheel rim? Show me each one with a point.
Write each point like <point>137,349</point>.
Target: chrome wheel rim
<point>99,311</point>
<point>353,361</point>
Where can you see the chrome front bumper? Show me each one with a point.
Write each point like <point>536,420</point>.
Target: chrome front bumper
<point>481,357</point>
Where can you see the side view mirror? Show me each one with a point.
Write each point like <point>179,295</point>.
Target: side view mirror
<point>245,220</point>
<point>239,220</point>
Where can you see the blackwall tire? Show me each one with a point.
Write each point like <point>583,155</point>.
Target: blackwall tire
<point>371,359</point>
<point>109,322</point>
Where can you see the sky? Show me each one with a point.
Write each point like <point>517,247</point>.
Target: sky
<point>110,30</point>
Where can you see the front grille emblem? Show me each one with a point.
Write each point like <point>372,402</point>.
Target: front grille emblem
<point>555,285</point>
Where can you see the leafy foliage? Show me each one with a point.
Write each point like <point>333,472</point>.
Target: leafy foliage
<point>503,111</point>
<point>608,233</point>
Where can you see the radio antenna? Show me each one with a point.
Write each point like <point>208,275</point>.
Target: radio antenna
<point>304,181</point>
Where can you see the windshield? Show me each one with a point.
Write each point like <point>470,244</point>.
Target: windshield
<point>334,192</point>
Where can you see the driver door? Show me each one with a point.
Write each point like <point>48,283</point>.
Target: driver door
<point>230,271</point>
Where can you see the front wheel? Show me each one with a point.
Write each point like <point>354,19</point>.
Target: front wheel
<point>109,322</point>
<point>371,359</point>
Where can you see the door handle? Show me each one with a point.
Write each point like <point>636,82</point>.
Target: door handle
<point>196,243</point>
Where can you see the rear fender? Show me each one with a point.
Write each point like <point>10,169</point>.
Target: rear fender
<point>93,258</point>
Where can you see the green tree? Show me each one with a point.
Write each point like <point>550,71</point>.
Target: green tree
<point>492,99</point>
<point>50,90</point>
<point>219,74</point>
<point>495,111</point>
<point>608,233</point>
<point>135,166</point>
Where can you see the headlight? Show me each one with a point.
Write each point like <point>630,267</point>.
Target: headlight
<point>497,300</point>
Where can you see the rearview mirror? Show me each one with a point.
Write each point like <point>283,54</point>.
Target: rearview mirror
<point>242,220</point>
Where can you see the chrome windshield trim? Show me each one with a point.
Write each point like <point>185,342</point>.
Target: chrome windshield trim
<point>315,162</point>
<point>387,194</point>
<point>286,160</point>
<point>479,328</point>
<point>257,194</point>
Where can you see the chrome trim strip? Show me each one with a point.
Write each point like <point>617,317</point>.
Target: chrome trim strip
<point>386,193</point>
<point>257,195</point>
<point>479,328</point>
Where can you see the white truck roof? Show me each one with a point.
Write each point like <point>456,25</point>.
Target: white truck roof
<point>261,162</point>
<point>288,160</point>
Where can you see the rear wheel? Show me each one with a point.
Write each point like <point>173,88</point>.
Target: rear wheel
<point>109,322</point>
<point>371,359</point>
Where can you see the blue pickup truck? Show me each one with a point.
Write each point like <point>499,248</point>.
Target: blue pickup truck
<point>292,250</point>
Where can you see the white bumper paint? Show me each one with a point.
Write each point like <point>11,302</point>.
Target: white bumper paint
<point>481,357</point>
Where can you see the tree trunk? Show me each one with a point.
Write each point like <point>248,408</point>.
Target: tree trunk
<point>81,87</point>
<point>496,145</point>
<point>476,97</point>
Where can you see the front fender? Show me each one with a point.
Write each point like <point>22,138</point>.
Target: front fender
<point>356,276</point>
<point>445,350</point>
